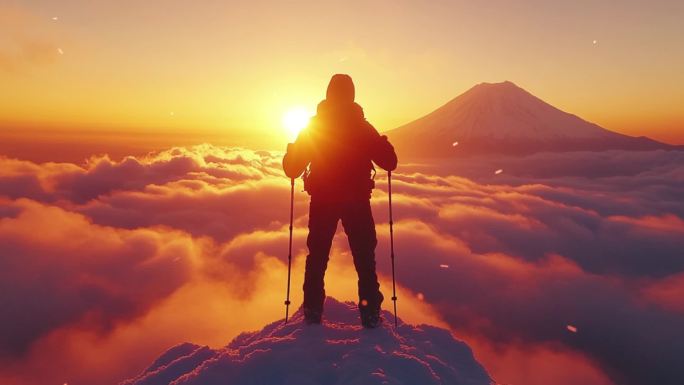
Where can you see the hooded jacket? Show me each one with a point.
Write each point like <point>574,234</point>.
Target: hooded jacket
<point>339,146</point>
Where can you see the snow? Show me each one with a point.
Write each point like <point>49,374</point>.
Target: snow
<point>504,110</point>
<point>339,351</point>
<point>504,118</point>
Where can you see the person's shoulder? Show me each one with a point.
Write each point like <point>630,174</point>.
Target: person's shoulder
<point>357,111</point>
<point>322,107</point>
<point>361,118</point>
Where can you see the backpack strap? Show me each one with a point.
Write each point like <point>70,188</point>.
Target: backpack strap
<point>305,178</point>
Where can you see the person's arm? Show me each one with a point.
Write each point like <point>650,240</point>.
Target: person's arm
<point>297,157</point>
<point>381,150</point>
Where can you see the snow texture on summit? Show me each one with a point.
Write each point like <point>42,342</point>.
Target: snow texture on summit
<point>504,110</point>
<point>504,118</point>
<point>339,351</point>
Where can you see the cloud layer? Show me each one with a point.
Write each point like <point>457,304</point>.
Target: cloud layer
<point>509,260</point>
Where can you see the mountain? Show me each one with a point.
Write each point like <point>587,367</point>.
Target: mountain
<point>504,118</point>
<point>339,351</point>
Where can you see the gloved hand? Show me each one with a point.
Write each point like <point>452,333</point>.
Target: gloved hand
<point>294,161</point>
<point>383,154</point>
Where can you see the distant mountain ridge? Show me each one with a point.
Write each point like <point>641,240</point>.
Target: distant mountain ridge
<point>504,118</point>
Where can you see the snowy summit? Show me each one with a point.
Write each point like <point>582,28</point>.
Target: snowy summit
<point>504,118</point>
<point>339,351</point>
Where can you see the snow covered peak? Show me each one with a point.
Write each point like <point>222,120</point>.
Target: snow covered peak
<point>503,111</point>
<point>339,351</point>
<point>504,118</point>
<point>507,84</point>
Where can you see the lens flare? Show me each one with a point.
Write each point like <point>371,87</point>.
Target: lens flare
<point>294,120</point>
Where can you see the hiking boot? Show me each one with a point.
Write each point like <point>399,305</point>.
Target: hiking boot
<point>312,316</point>
<point>370,319</point>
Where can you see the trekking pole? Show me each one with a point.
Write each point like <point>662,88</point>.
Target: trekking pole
<point>391,223</point>
<point>289,254</point>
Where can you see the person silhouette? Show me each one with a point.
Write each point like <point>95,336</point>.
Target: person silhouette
<point>335,153</point>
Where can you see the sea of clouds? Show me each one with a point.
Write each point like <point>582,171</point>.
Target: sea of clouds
<point>561,267</point>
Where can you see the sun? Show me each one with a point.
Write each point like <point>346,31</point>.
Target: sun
<point>294,120</point>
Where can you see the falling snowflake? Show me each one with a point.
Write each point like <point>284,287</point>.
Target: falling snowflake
<point>499,171</point>
<point>595,41</point>
<point>420,296</point>
<point>444,266</point>
<point>172,113</point>
<point>364,302</point>
<point>55,18</point>
<point>59,50</point>
<point>571,328</point>
<point>454,144</point>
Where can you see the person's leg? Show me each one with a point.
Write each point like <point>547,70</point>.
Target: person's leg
<point>359,226</point>
<point>322,225</point>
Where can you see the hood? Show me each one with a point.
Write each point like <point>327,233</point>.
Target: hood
<point>340,89</point>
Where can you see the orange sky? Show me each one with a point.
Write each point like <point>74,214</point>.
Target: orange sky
<point>234,68</point>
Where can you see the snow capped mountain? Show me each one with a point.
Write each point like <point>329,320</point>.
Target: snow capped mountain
<point>504,118</point>
<point>339,351</point>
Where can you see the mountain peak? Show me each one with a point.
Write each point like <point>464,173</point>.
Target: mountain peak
<point>503,84</point>
<point>496,90</point>
<point>339,351</point>
<point>505,118</point>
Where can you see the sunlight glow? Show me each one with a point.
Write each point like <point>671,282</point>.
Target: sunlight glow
<point>294,120</point>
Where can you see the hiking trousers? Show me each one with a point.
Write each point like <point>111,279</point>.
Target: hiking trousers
<point>357,219</point>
